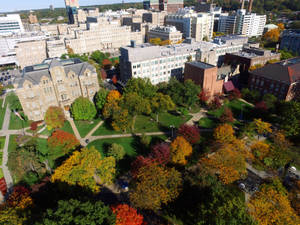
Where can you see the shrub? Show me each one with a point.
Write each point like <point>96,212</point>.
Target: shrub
<point>117,151</point>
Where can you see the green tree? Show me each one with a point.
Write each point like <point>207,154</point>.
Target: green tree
<point>100,99</point>
<point>270,101</point>
<point>161,103</point>
<point>54,117</point>
<point>73,211</point>
<point>117,151</point>
<point>136,105</point>
<point>83,109</point>
<point>289,117</point>
<point>143,87</point>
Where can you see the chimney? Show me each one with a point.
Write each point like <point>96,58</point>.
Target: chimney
<point>243,4</point>
<point>250,6</point>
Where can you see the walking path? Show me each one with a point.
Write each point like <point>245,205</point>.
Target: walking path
<point>6,173</point>
<point>77,135</point>
<point>196,117</point>
<point>88,136</point>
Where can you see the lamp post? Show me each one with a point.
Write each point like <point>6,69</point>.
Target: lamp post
<point>172,127</point>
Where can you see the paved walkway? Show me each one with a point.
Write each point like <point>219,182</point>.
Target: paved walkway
<point>88,136</point>
<point>196,117</point>
<point>77,135</point>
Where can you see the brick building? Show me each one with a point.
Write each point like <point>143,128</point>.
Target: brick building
<point>209,77</point>
<point>281,79</point>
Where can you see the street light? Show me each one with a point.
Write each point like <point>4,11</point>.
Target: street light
<point>172,127</point>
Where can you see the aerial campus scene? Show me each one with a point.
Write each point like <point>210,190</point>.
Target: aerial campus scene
<point>154,112</point>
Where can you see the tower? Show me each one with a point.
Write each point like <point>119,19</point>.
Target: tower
<point>72,7</point>
<point>250,6</point>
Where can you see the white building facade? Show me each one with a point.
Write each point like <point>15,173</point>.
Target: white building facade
<point>10,24</point>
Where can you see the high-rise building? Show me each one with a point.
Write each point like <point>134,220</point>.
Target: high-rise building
<point>243,23</point>
<point>10,23</point>
<point>51,7</point>
<point>72,7</point>
<point>164,5</point>
<point>192,25</point>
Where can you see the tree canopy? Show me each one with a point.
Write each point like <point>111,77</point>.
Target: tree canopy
<point>83,109</point>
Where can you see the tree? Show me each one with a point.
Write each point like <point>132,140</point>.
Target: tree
<point>272,35</point>
<point>136,105</point>
<point>117,151</point>
<point>113,95</point>
<point>269,206</point>
<point>229,162</point>
<point>161,103</point>
<point>100,99</point>
<point>235,94</point>
<point>161,153</point>
<point>179,150</point>
<point>270,101</point>
<point>191,93</point>
<point>251,96</point>
<point>190,133</point>
<point>86,168</point>
<point>143,87</point>
<point>261,107</point>
<point>54,117</point>
<point>260,149</point>
<point>73,211</point>
<point>106,64</point>
<point>120,119</point>
<point>262,128</point>
<point>125,215</point>
<point>215,103</point>
<point>204,96</point>
<point>155,185</point>
<point>289,117</point>
<point>64,141</point>
<point>227,116</point>
<point>224,133</point>
<point>140,162</point>
<point>109,108</point>
<point>83,109</point>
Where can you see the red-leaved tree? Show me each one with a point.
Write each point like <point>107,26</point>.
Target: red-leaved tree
<point>125,215</point>
<point>190,133</point>
<point>203,96</point>
<point>63,140</point>
<point>161,153</point>
<point>261,106</point>
<point>227,116</point>
<point>140,162</point>
<point>20,198</point>
<point>235,94</point>
<point>215,103</point>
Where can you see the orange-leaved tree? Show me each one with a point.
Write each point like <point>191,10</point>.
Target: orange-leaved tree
<point>229,162</point>
<point>126,215</point>
<point>272,35</point>
<point>63,140</point>
<point>270,206</point>
<point>260,149</point>
<point>224,134</point>
<point>113,96</point>
<point>262,127</point>
<point>86,168</point>
<point>155,185</point>
<point>54,117</point>
<point>179,150</point>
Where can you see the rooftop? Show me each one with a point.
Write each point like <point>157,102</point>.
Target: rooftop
<point>201,65</point>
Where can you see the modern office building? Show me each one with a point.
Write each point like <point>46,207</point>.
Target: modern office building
<point>158,63</point>
<point>55,83</point>
<point>281,79</point>
<point>291,41</point>
<point>10,24</point>
<point>191,24</point>
<point>72,7</point>
<point>168,33</point>
<point>164,5</point>
<point>242,23</point>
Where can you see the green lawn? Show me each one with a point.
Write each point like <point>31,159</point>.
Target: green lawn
<point>46,132</point>
<point>1,156</point>
<point>12,143</point>
<point>2,142</point>
<point>2,113</point>
<point>17,124</point>
<point>1,173</point>
<point>145,124</point>
<point>207,123</point>
<point>84,127</point>
<point>237,107</point>
<point>129,145</point>
<point>67,127</point>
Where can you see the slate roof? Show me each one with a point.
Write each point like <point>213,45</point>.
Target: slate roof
<point>285,71</point>
<point>35,73</point>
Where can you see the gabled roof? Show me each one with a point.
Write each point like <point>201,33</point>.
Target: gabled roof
<point>285,71</point>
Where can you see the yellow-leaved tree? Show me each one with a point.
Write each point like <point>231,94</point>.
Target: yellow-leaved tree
<point>180,149</point>
<point>271,206</point>
<point>224,134</point>
<point>229,162</point>
<point>260,149</point>
<point>86,168</point>
<point>262,127</point>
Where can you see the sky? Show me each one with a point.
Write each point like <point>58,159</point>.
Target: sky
<point>14,5</point>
